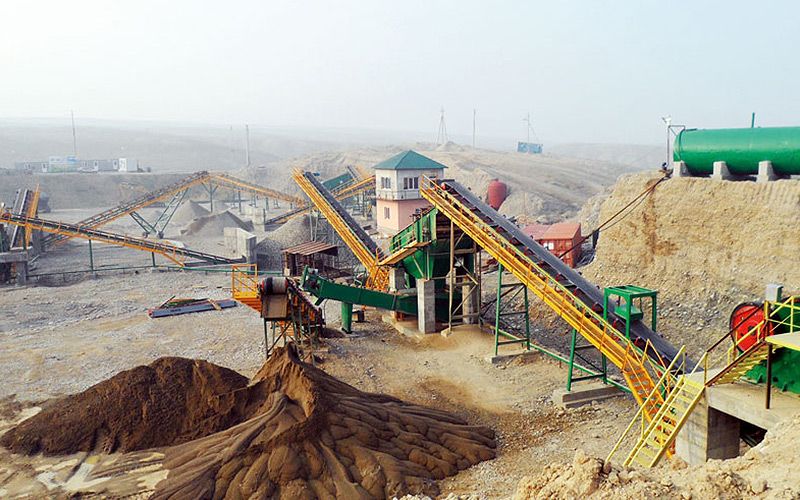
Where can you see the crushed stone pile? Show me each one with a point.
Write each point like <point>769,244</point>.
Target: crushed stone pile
<point>188,212</point>
<point>705,245</point>
<point>767,470</point>
<point>310,435</point>
<point>214,225</point>
<point>170,401</point>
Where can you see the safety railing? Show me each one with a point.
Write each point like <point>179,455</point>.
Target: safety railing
<point>610,341</point>
<point>652,399</point>
<point>244,280</point>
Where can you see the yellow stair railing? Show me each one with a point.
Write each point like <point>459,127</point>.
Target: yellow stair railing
<point>656,438</point>
<point>378,276</point>
<point>244,285</point>
<point>635,365</point>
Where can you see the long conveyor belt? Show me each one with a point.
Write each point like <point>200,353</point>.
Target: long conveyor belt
<point>572,297</point>
<point>345,192</point>
<point>165,192</point>
<point>171,252</point>
<point>351,232</point>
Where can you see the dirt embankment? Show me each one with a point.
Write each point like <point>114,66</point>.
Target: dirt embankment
<point>705,245</point>
<point>767,470</point>
<point>294,432</point>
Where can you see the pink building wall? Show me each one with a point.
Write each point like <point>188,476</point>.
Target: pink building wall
<point>400,212</point>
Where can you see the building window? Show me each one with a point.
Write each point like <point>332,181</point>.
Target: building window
<point>386,213</point>
<point>386,183</point>
<point>411,183</point>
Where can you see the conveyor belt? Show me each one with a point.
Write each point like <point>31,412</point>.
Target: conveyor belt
<point>172,252</point>
<point>588,293</point>
<point>346,191</point>
<point>571,297</point>
<point>364,248</point>
<point>160,194</point>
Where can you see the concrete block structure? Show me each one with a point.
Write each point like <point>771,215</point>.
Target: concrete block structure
<point>721,171</point>
<point>426,305</point>
<point>241,243</point>
<point>397,189</point>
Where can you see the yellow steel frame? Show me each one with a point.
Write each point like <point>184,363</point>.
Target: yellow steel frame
<point>632,361</point>
<point>33,208</point>
<point>224,180</point>
<point>171,252</point>
<point>221,180</point>
<point>346,192</point>
<point>378,277</point>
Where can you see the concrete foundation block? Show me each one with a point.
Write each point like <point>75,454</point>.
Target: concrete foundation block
<point>584,395</point>
<point>707,433</point>
<point>765,172</point>
<point>679,169</point>
<point>721,171</point>
<point>397,279</point>
<point>426,306</point>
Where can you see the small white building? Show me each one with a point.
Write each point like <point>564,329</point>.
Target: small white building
<point>397,183</point>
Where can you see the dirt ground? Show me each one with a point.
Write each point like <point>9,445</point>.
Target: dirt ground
<point>58,341</point>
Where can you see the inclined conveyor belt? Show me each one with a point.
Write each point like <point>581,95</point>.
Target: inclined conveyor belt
<point>588,293</point>
<point>348,219</point>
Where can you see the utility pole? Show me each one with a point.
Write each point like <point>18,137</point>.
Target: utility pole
<point>74,136</point>
<point>247,143</point>
<point>474,115</point>
<point>441,136</point>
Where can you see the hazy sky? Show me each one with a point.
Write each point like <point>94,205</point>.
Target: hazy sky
<point>588,71</point>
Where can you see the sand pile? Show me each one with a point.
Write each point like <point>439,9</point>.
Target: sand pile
<point>170,401</point>
<point>765,471</point>
<point>213,225</point>
<point>188,212</point>
<point>311,435</point>
<point>705,245</point>
<point>294,432</point>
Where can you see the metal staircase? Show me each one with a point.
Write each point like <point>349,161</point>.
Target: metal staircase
<point>657,436</point>
<point>352,234</point>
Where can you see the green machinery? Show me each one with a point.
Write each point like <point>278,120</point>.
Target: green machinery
<point>783,315</point>
<point>425,250</point>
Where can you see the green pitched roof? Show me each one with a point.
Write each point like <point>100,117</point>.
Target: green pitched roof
<point>408,160</point>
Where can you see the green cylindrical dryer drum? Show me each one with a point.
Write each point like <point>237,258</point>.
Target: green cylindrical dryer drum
<point>740,148</point>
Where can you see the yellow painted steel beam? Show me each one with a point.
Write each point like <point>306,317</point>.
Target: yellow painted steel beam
<point>378,276</point>
<point>224,180</point>
<point>175,254</point>
<point>607,339</point>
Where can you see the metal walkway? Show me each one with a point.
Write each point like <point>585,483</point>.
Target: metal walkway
<point>365,249</point>
<point>175,254</point>
<point>171,190</point>
<point>571,297</point>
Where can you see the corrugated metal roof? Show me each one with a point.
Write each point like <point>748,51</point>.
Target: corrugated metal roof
<point>562,231</point>
<point>312,247</point>
<point>535,230</point>
<point>408,160</point>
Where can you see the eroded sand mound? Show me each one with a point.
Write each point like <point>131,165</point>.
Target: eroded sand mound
<point>311,435</point>
<point>769,470</point>
<point>214,225</point>
<point>170,401</point>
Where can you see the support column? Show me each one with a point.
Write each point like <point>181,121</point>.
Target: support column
<point>765,172</point>
<point>707,433</point>
<point>22,272</point>
<point>679,169</point>
<point>472,303</point>
<point>347,318</point>
<point>397,279</point>
<point>721,172</point>
<point>426,306</point>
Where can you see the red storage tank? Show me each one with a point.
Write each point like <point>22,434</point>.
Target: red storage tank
<point>496,193</point>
